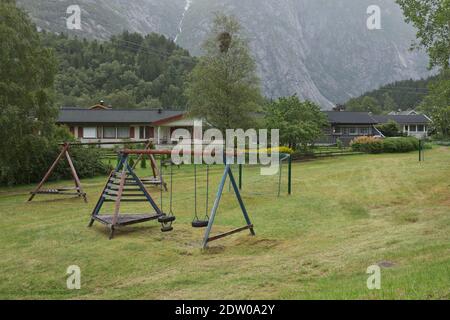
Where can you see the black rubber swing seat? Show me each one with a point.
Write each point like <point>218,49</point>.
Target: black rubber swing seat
<point>200,223</point>
<point>166,229</point>
<point>166,219</point>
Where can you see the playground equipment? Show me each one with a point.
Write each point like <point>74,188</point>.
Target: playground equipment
<point>123,185</point>
<point>115,190</point>
<point>77,190</point>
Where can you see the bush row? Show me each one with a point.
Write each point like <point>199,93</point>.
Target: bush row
<point>390,145</point>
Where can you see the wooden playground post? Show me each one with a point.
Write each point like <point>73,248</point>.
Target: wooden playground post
<point>78,188</point>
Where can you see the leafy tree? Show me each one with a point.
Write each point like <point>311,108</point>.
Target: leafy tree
<point>432,21</point>
<point>441,121</point>
<point>436,103</point>
<point>367,104</point>
<point>300,123</point>
<point>224,88</point>
<point>28,143</point>
<point>390,129</point>
<point>27,71</point>
<point>389,103</point>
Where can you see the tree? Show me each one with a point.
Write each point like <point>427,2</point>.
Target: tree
<point>224,88</point>
<point>367,104</point>
<point>436,103</point>
<point>300,123</point>
<point>441,121</point>
<point>390,129</point>
<point>27,112</point>
<point>432,21</point>
<point>389,103</point>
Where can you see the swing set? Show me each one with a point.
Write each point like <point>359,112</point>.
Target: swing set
<point>123,182</point>
<point>77,190</point>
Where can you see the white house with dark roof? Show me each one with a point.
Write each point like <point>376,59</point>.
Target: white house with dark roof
<point>102,124</point>
<point>415,125</point>
<point>347,125</point>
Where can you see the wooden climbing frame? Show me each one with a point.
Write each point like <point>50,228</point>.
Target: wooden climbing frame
<point>77,190</point>
<point>123,185</point>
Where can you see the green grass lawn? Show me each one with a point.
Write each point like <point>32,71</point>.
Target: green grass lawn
<point>345,214</point>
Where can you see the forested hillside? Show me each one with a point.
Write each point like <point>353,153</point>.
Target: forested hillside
<point>406,94</point>
<point>128,71</point>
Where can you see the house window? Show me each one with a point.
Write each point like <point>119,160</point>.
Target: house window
<point>109,132</point>
<point>345,131</point>
<point>406,128</point>
<point>352,131</point>
<point>123,132</point>
<point>420,128</point>
<point>90,132</point>
<point>337,130</point>
<point>413,128</point>
<point>364,131</point>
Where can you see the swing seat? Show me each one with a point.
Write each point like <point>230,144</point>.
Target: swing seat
<point>200,223</point>
<point>166,229</point>
<point>166,219</point>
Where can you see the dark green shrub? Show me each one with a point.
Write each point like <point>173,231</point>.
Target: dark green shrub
<point>400,144</point>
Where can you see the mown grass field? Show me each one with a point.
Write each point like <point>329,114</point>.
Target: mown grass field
<point>345,214</point>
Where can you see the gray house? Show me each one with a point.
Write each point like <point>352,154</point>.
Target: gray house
<point>346,126</point>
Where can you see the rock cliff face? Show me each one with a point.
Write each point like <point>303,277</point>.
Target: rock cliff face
<point>319,49</point>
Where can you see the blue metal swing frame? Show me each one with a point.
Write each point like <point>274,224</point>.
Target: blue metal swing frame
<point>207,238</point>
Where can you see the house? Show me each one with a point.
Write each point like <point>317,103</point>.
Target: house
<point>346,125</point>
<point>415,125</point>
<point>103,124</point>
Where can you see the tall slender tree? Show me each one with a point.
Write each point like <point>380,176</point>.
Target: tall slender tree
<point>223,87</point>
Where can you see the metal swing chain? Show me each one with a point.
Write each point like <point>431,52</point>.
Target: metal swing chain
<point>195,192</point>
<point>161,186</point>
<point>171,189</point>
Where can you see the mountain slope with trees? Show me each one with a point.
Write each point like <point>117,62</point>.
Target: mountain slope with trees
<point>403,95</point>
<point>128,71</point>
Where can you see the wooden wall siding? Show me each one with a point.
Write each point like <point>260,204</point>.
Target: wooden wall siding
<point>132,132</point>
<point>80,132</point>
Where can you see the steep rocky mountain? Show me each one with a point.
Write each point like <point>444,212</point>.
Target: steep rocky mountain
<point>320,49</point>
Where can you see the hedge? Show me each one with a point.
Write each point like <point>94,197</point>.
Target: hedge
<point>388,145</point>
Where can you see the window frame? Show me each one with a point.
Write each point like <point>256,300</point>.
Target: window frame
<point>87,129</point>
<point>123,128</point>
<point>106,137</point>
